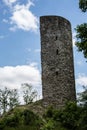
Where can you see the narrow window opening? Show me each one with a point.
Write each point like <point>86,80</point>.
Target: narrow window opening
<point>56,72</point>
<point>56,38</point>
<point>57,51</point>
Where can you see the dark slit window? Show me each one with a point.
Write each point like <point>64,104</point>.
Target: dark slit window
<point>56,72</point>
<point>56,38</point>
<point>57,51</point>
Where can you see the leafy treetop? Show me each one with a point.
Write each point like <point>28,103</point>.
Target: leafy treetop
<point>83,5</point>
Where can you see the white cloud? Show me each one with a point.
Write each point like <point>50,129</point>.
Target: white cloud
<point>13,77</point>
<point>81,80</point>
<point>74,42</point>
<point>23,18</point>
<point>74,39</point>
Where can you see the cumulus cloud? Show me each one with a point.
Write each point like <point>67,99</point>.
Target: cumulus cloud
<point>13,77</point>
<point>21,16</point>
<point>82,80</point>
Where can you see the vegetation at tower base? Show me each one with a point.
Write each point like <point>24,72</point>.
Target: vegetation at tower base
<point>81,31</point>
<point>35,117</point>
<point>20,119</point>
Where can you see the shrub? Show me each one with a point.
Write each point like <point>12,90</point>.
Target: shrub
<point>70,115</point>
<point>12,121</point>
<point>49,125</point>
<point>2,124</point>
<point>49,113</point>
<point>31,118</point>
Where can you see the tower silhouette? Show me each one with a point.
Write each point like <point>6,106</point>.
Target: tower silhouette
<point>58,83</point>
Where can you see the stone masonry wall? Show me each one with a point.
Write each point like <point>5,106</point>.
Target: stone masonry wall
<point>58,84</point>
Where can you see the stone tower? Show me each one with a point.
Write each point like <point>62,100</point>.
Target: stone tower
<point>58,84</point>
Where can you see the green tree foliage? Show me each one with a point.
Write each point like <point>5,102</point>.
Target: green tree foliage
<point>4,94</point>
<point>83,5</point>
<point>83,103</point>
<point>49,125</point>
<point>8,99</point>
<point>82,97</point>
<point>28,93</point>
<point>81,31</point>
<point>30,118</point>
<point>81,36</point>
<point>13,99</point>
<point>19,119</point>
<point>71,117</point>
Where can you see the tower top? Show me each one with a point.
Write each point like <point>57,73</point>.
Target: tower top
<point>54,17</point>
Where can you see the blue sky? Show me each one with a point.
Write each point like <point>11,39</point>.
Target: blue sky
<point>20,40</point>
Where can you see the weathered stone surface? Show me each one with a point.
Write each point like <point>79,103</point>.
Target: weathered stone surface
<point>58,84</point>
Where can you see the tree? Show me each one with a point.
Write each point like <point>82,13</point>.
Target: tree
<point>8,99</point>
<point>82,99</point>
<point>83,5</point>
<point>83,105</point>
<point>28,94</point>
<point>81,31</point>
<point>13,99</point>
<point>4,99</point>
<point>82,38</point>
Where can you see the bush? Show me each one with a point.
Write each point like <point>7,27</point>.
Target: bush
<point>70,115</point>
<point>82,122</point>
<point>2,124</point>
<point>49,125</point>
<point>12,121</point>
<point>49,113</point>
<point>30,118</point>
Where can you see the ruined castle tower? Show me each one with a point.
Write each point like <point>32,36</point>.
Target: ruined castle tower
<point>58,84</point>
